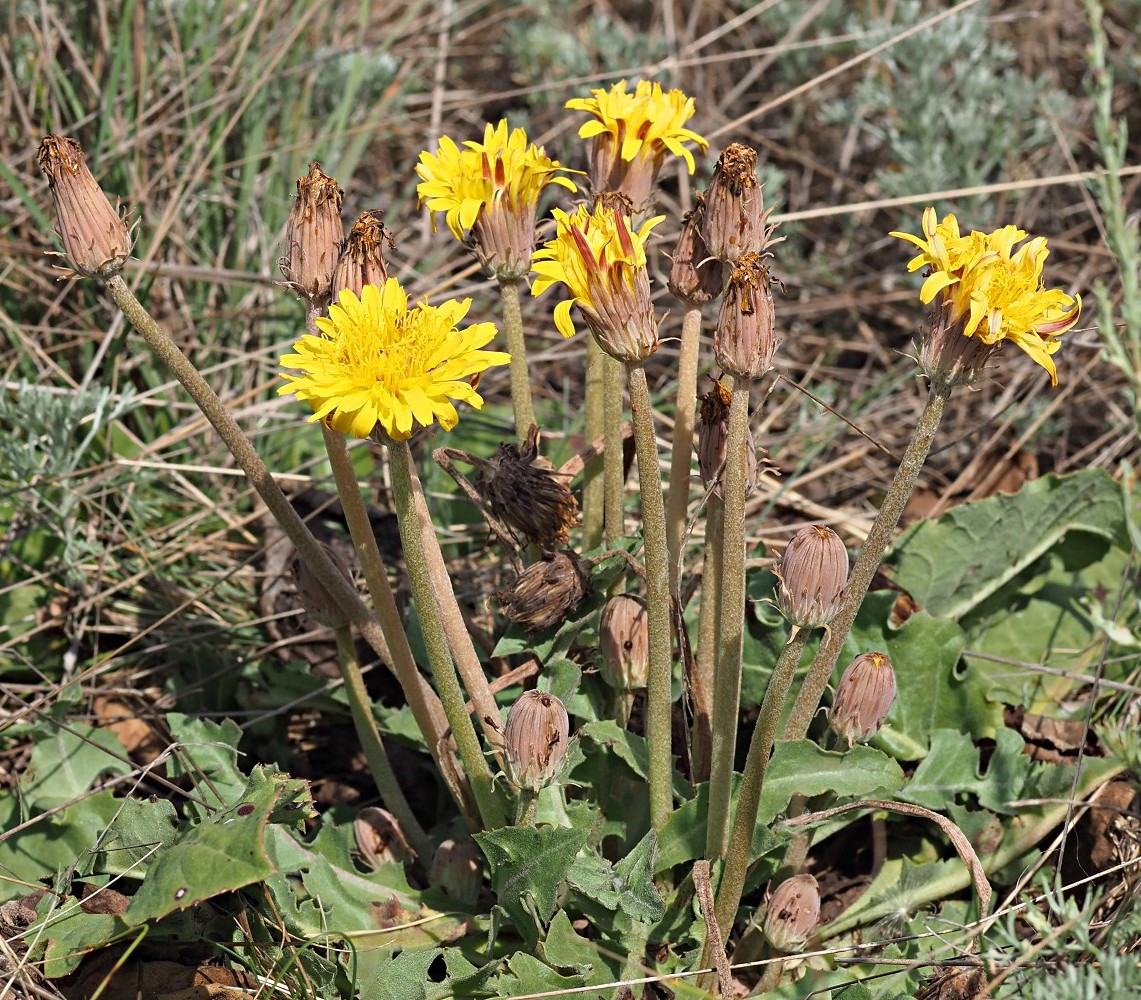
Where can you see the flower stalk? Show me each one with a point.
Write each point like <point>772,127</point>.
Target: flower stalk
<point>658,688</point>
<point>613,457</point>
<point>867,562</point>
<point>516,346</point>
<point>407,494</point>
<point>681,455</point>
<point>360,705</point>
<point>594,426</point>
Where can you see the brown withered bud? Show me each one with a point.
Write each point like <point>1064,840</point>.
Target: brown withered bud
<point>812,573</point>
<point>536,735</point>
<point>863,698</point>
<point>735,216</point>
<point>457,868</point>
<point>744,341</point>
<point>712,441</point>
<point>529,498</point>
<point>318,603</point>
<point>380,839</point>
<point>696,276</point>
<point>547,591</point>
<point>362,261</point>
<point>793,913</point>
<point>95,238</point>
<point>624,638</point>
<point>314,236</point>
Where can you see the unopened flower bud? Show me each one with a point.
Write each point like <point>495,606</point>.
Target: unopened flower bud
<point>863,698</point>
<point>696,275</point>
<point>744,342</point>
<point>457,868</point>
<point>536,736</point>
<point>793,913</point>
<point>735,213</point>
<point>531,499</point>
<point>547,591</point>
<point>379,838</point>
<point>812,572</point>
<point>624,638</point>
<point>95,238</point>
<point>314,236</point>
<point>362,261</point>
<point>713,442</point>
<point>320,605</point>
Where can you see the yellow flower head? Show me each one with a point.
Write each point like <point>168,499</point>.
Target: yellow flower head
<point>378,362</point>
<point>491,188</point>
<point>632,134</point>
<point>602,261</point>
<point>986,291</point>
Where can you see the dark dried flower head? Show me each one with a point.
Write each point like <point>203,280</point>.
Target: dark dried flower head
<point>315,599</point>
<point>362,261</point>
<point>547,591</point>
<point>314,236</point>
<point>793,913</point>
<point>536,736</point>
<point>624,638</point>
<point>812,572</point>
<point>744,342</point>
<point>379,838</point>
<point>712,442</point>
<point>95,238</point>
<point>735,216</point>
<point>457,868</point>
<point>863,698</point>
<point>530,498</point>
<point>696,276</point>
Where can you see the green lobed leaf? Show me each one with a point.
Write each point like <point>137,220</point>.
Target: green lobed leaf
<point>796,767</point>
<point>627,886</point>
<point>526,975</point>
<point>222,853</point>
<point>402,975</point>
<point>952,564</point>
<point>65,762</point>
<point>953,769</point>
<point>529,861</point>
<point>569,953</point>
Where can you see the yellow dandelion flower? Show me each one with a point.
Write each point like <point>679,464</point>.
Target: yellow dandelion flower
<point>632,133</point>
<point>986,291</point>
<point>492,189</point>
<point>377,362</point>
<point>602,261</point>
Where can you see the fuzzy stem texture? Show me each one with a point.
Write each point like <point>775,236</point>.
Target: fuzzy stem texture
<point>405,487</point>
<point>731,624</point>
<point>365,722</point>
<point>869,559</point>
<point>752,783</point>
<point>425,705</point>
<point>659,687</point>
<point>376,577</point>
<point>677,497</point>
<point>517,347</point>
<point>614,469</point>
<point>704,677</point>
<point>593,484</point>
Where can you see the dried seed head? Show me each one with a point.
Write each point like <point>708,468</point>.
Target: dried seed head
<point>712,442</point>
<point>95,237</point>
<point>457,868</point>
<point>318,603</point>
<point>536,736</point>
<point>530,498</point>
<point>812,572</point>
<point>624,637</point>
<point>735,216</point>
<point>744,342</point>
<point>793,913</point>
<point>863,698</point>
<point>362,261</point>
<point>314,236</point>
<point>696,276</point>
<point>547,591</point>
<point>380,839</point>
